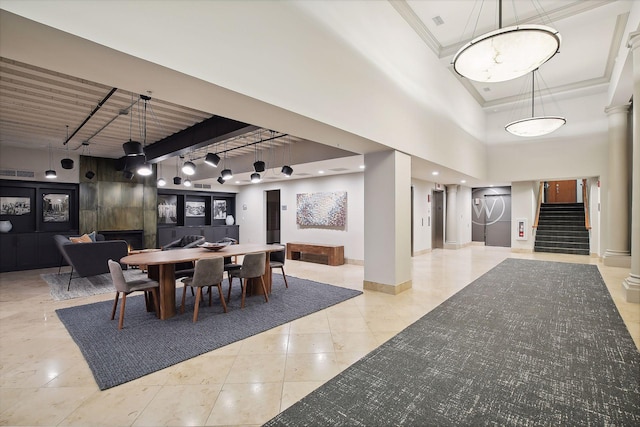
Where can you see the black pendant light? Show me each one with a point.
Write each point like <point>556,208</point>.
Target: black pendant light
<point>67,163</point>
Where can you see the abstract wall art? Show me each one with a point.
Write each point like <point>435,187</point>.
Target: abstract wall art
<point>322,209</point>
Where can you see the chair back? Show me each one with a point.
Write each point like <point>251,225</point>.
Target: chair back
<point>208,271</point>
<point>253,265</point>
<point>187,240</point>
<point>277,256</point>
<point>117,276</point>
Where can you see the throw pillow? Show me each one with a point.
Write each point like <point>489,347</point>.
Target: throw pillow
<point>82,239</point>
<point>92,235</point>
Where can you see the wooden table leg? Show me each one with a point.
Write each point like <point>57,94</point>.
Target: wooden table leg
<point>165,274</point>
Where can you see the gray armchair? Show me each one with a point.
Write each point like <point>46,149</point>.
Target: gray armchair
<point>89,259</point>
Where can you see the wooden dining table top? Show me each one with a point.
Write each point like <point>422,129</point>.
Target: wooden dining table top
<point>192,254</point>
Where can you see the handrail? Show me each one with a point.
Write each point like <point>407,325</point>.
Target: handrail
<point>540,194</point>
<point>585,201</point>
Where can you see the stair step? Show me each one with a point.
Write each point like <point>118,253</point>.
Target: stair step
<point>562,250</point>
<point>561,229</point>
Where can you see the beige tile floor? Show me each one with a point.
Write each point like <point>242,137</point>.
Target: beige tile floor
<point>44,380</point>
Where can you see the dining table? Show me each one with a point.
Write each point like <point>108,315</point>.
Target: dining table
<point>161,267</point>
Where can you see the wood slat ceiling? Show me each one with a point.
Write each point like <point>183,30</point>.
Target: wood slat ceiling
<point>39,108</point>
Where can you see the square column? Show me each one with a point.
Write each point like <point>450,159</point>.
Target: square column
<point>387,222</point>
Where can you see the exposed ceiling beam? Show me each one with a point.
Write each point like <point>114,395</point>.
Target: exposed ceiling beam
<point>202,134</point>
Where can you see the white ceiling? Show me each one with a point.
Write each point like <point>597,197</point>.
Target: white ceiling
<point>36,105</point>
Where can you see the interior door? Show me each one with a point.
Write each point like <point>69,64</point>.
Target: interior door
<point>562,191</point>
<point>273,216</point>
<point>498,220</point>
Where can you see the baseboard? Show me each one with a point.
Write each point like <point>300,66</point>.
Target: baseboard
<point>354,261</point>
<point>422,252</point>
<point>522,250</point>
<point>387,289</point>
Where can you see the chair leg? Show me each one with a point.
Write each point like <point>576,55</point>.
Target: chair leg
<point>243,283</point>
<point>197,307</point>
<point>264,289</point>
<point>210,295</point>
<point>184,295</point>
<point>115,305</point>
<point>284,276</point>
<point>70,276</point>
<point>224,304</point>
<point>156,301</point>
<point>229,292</point>
<point>124,301</point>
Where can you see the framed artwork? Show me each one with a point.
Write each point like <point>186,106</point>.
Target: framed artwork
<point>15,205</point>
<point>219,209</point>
<point>167,209</point>
<point>194,209</point>
<point>55,207</point>
<point>322,209</point>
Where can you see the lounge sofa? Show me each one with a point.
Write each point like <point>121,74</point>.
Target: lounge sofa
<point>90,258</point>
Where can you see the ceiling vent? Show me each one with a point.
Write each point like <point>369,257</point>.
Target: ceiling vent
<point>17,173</point>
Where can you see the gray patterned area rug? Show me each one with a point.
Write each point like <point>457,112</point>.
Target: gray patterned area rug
<point>530,343</point>
<point>147,344</point>
<point>83,286</point>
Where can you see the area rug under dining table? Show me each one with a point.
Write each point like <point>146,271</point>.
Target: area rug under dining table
<point>147,344</point>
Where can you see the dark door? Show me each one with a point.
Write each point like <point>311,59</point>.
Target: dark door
<point>437,230</point>
<point>561,191</point>
<point>498,220</point>
<point>273,216</point>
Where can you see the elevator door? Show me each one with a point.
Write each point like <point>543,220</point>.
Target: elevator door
<point>437,229</point>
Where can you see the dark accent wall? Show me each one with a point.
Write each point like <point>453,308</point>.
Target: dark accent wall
<point>109,201</point>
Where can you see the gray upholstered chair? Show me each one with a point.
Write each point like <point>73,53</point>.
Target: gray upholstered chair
<point>208,272</point>
<point>122,286</point>
<point>252,268</point>
<point>276,260</point>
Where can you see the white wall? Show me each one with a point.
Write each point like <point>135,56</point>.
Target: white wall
<point>18,159</point>
<point>549,159</point>
<point>252,220</point>
<point>524,203</point>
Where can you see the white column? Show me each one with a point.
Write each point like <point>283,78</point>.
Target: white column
<point>387,222</point>
<point>617,253</point>
<point>631,284</point>
<point>451,227</point>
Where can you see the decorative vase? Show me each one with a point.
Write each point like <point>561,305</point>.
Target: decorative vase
<point>230,220</point>
<point>5,226</point>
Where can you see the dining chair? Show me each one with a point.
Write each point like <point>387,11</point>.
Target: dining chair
<point>229,263</point>
<point>125,288</point>
<point>252,268</point>
<point>207,273</point>
<point>276,260</point>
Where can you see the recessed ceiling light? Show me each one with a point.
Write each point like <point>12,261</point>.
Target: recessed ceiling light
<point>434,173</point>
<point>463,181</point>
<point>320,171</point>
<point>361,166</point>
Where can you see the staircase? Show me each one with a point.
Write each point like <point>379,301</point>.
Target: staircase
<point>561,229</point>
